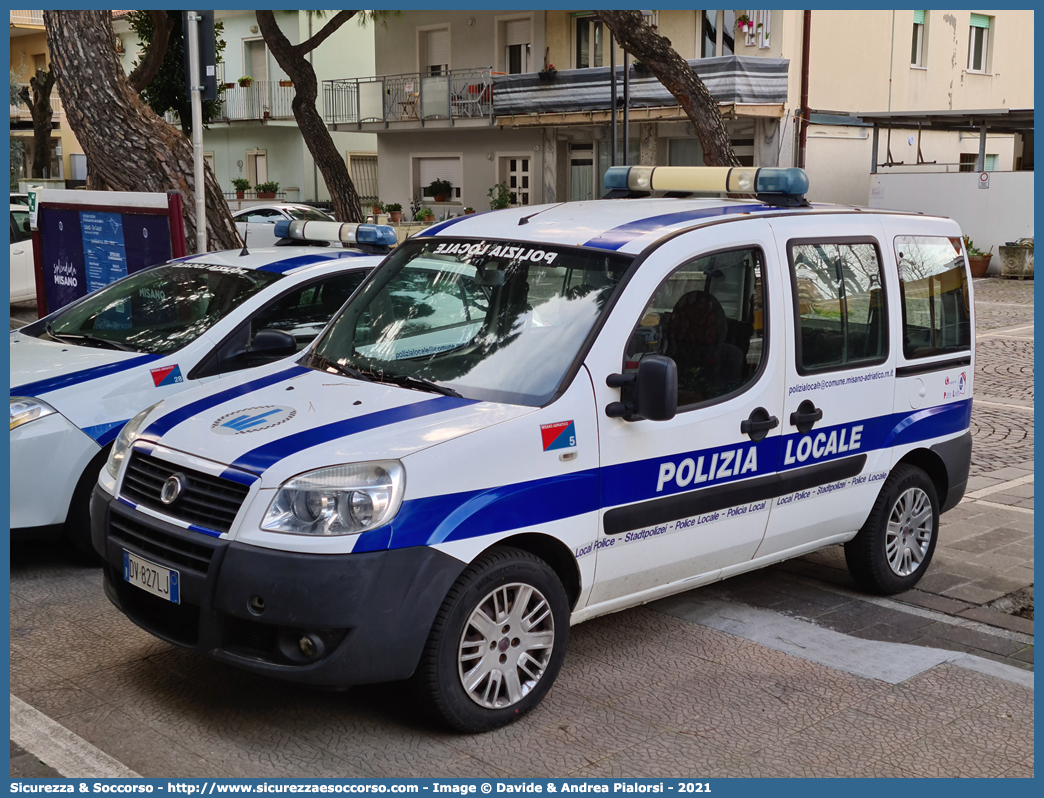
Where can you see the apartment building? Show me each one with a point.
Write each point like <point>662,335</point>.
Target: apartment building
<point>255,136</point>
<point>466,96</point>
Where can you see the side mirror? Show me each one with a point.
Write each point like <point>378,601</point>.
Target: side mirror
<point>272,344</point>
<point>651,394</point>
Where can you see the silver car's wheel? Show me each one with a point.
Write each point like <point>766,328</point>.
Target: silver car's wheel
<point>909,532</point>
<point>505,646</point>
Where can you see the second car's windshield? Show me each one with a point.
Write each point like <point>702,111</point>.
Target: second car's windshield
<point>495,321</point>
<point>159,310</point>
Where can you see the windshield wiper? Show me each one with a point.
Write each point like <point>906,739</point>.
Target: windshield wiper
<point>89,339</point>
<point>323,362</point>
<point>420,384</point>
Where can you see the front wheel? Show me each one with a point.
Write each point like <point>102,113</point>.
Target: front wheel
<point>497,643</point>
<point>893,549</point>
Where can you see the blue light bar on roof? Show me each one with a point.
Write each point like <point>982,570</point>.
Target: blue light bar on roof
<point>708,179</point>
<point>298,230</point>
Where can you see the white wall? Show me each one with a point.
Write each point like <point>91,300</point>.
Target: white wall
<point>991,217</point>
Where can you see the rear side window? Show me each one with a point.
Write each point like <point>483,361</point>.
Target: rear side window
<point>934,293</point>
<point>840,307</point>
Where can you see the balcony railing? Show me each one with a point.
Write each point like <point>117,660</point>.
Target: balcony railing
<point>20,112</point>
<point>34,18</point>
<point>262,99</point>
<point>458,94</point>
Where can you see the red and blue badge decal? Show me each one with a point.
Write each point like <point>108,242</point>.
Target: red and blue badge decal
<point>166,375</point>
<point>560,435</point>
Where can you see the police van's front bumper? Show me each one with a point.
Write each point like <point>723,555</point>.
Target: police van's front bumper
<point>321,619</point>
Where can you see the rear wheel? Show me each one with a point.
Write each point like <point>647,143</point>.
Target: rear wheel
<point>895,546</point>
<point>497,643</point>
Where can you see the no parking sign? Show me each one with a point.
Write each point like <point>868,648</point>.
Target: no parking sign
<point>984,179</point>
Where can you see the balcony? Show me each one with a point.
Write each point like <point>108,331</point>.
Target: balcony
<point>20,112</point>
<point>262,99</point>
<point>27,19</point>
<point>744,85</point>
<point>463,96</point>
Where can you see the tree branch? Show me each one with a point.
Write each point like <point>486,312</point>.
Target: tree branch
<point>150,64</point>
<point>327,30</point>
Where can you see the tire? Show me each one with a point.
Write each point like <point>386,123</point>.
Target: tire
<point>895,546</point>
<point>496,583</point>
<point>78,520</point>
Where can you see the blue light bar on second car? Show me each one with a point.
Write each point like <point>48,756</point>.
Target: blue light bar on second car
<point>297,230</point>
<point>709,179</point>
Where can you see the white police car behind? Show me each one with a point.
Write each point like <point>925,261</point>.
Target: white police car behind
<point>80,373</point>
<point>529,418</point>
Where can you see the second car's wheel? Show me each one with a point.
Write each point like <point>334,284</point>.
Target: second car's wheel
<point>497,643</point>
<point>78,520</point>
<point>893,549</point>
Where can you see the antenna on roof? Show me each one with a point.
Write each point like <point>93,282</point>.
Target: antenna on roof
<point>246,232</point>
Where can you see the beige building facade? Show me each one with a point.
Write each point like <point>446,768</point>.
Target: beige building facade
<point>858,62</point>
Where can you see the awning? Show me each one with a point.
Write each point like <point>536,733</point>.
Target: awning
<point>1000,120</point>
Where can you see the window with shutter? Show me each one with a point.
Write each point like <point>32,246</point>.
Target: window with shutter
<point>920,35</point>
<point>436,51</point>
<point>431,169</point>
<point>978,43</point>
<point>516,34</point>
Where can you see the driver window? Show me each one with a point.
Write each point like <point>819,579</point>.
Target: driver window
<point>709,317</point>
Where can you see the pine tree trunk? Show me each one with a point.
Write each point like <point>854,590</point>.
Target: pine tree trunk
<point>320,143</point>
<point>128,147</point>
<point>37,95</point>
<point>656,53</point>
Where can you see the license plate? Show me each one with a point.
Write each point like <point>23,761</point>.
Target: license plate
<point>152,578</point>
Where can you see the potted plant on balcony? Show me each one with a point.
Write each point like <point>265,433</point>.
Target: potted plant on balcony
<point>548,72</point>
<point>240,184</point>
<point>378,207</point>
<point>439,189</point>
<point>424,215</point>
<point>744,24</point>
<point>978,261</point>
<point>394,210</point>
<point>245,81</point>
<point>266,190</point>
<point>468,211</point>
<point>286,84</point>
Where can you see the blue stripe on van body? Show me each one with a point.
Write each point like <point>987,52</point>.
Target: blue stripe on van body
<point>258,460</point>
<point>79,377</point>
<point>166,423</point>
<point>103,434</point>
<point>618,237</point>
<point>459,516</point>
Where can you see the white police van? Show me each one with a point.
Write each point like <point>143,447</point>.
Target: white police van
<point>529,418</point>
<point>80,373</point>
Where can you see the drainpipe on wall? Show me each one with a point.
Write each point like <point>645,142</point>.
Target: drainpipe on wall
<point>806,37</point>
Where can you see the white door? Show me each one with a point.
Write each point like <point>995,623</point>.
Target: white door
<point>682,499</point>
<point>23,284</point>
<point>837,419</point>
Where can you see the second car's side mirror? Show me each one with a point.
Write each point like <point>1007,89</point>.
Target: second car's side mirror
<point>272,344</point>
<point>651,394</point>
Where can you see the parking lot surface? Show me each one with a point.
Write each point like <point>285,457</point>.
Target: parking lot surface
<point>782,672</point>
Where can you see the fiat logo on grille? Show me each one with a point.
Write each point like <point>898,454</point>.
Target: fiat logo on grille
<point>172,488</point>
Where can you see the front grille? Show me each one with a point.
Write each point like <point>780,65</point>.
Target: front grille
<point>170,549</point>
<point>205,500</point>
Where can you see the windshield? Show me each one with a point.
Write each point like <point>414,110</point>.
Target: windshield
<point>494,321</point>
<point>158,310</point>
<point>307,215</point>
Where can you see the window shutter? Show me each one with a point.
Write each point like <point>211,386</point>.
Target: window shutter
<point>990,164</point>
<point>980,21</point>
<point>918,17</point>
<point>436,47</point>
<point>516,31</point>
<point>258,61</point>
<point>439,169</point>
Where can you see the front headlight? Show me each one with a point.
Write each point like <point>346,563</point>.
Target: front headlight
<point>342,500</point>
<point>25,409</point>
<point>125,440</point>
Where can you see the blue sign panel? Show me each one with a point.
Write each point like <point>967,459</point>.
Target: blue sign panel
<point>83,251</point>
